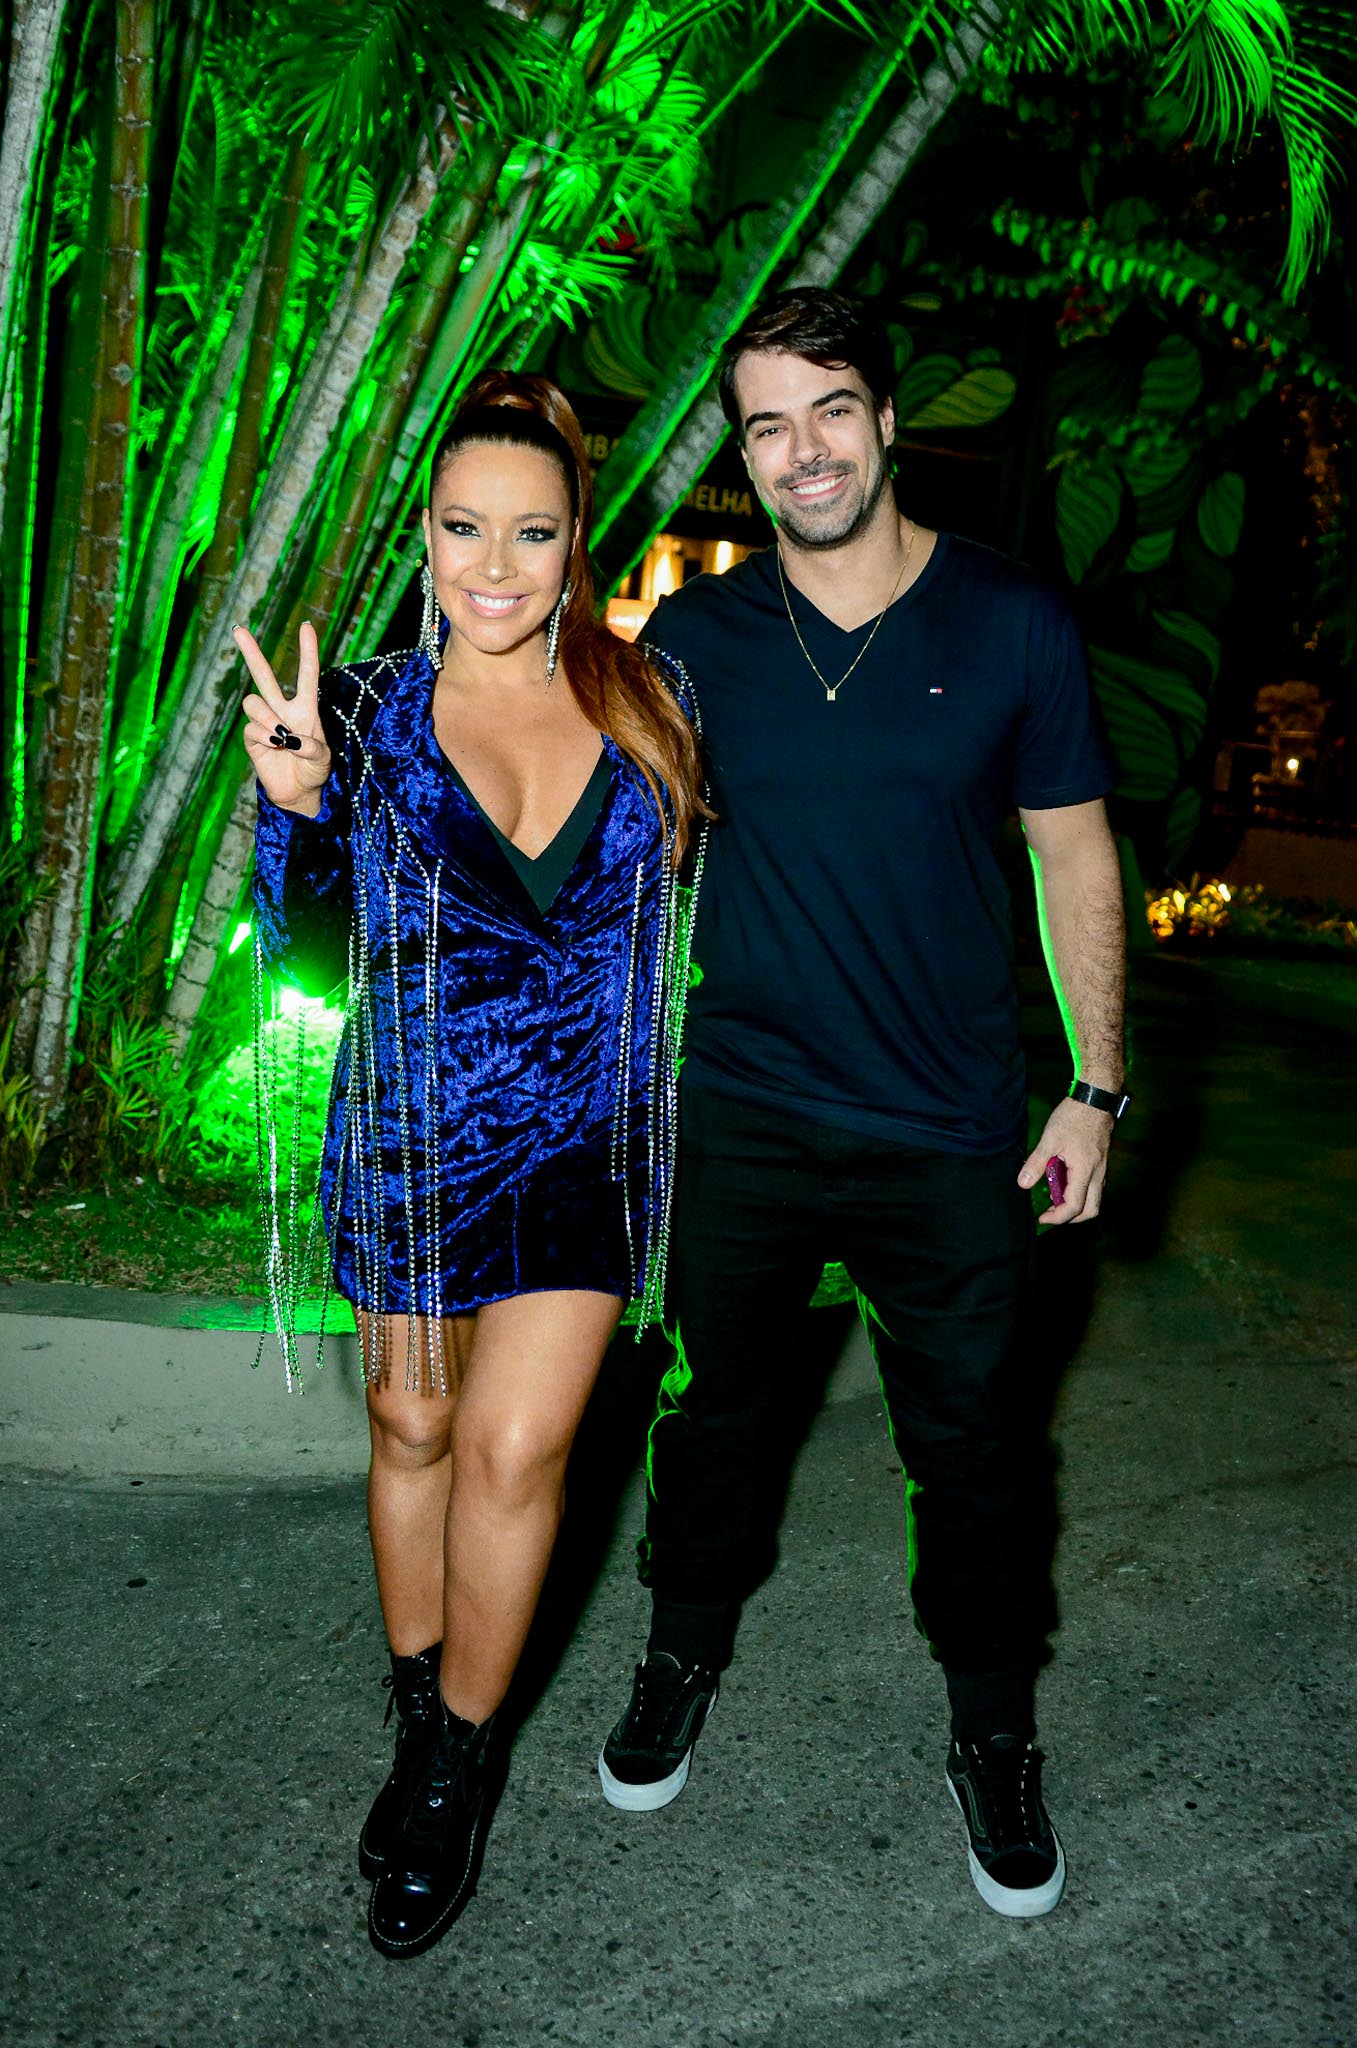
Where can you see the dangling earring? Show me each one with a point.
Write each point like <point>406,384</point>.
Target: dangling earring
<point>428,630</point>
<point>554,631</point>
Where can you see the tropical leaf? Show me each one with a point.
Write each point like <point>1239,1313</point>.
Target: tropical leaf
<point>981,395</point>
<point>1223,62</point>
<point>338,65</point>
<point>1164,479</point>
<point>1238,63</point>
<point>1150,551</point>
<point>925,379</point>
<point>1218,288</point>
<point>1172,382</point>
<point>1172,695</point>
<point>1220,513</point>
<point>1088,500</point>
<point>1180,826</point>
<point>1154,721</point>
<point>1201,645</point>
<point>1208,581</point>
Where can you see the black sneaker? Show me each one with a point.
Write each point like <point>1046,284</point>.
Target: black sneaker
<point>1017,1863</point>
<point>645,1761</point>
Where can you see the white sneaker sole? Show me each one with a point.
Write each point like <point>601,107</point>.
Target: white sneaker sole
<point>1029,1904</point>
<point>663,1792</point>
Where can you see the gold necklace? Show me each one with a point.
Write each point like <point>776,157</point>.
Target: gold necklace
<point>831,692</point>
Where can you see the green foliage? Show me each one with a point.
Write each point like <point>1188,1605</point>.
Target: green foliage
<point>23,1120</point>
<point>367,78</point>
<point>1215,288</point>
<point>975,398</point>
<point>1220,513</point>
<point>1088,501</point>
<point>221,1136</point>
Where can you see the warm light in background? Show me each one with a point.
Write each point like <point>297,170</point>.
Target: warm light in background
<point>1293,765</point>
<point>626,616</point>
<point>664,572</point>
<point>666,565</point>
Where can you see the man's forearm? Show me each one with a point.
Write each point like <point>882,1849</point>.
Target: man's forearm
<point>1084,933</point>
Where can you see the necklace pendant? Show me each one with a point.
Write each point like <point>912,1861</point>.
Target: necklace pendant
<point>830,695</point>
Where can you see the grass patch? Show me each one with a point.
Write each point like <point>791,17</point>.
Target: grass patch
<point>187,1239</point>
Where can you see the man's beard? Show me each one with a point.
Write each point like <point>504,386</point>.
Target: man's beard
<point>840,528</point>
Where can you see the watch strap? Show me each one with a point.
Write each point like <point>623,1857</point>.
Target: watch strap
<point>1107,1099</point>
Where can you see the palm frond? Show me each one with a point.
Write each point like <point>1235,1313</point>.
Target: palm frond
<point>375,70</point>
<point>1238,63</point>
<point>1224,61</point>
<point>1053,35</point>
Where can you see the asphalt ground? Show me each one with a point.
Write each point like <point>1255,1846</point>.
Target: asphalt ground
<point>190,1673</point>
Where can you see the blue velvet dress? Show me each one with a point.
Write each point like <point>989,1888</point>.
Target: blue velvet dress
<point>502,1111</point>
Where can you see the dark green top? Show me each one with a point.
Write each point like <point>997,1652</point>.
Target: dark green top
<point>542,874</point>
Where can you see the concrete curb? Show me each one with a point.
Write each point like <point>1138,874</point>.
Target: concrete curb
<point>102,1380</point>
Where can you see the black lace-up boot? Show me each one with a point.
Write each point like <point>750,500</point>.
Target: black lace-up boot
<point>435,1856</point>
<point>418,1706</point>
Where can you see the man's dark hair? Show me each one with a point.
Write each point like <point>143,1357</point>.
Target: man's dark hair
<point>823,327</point>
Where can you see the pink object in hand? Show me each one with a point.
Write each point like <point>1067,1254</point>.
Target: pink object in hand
<point>1055,1180</point>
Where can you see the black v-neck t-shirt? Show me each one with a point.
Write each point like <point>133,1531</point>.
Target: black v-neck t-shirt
<point>853,931</point>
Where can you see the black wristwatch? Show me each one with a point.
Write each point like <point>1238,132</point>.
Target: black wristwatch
<point>1101,1098</point>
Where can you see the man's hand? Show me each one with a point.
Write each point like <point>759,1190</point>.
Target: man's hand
<point>1081,1136</point>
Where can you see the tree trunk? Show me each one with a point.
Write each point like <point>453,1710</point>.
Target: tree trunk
<point>21,445</point>
<point>54,939</point>
<point>149,697</point>
<point>678,430</point>
<point>205,705</point>
<point>219,901</point>
<point>243,463</point>
<point>32,64</point>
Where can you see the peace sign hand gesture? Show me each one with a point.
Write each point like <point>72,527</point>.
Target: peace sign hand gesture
<point>285,739</point>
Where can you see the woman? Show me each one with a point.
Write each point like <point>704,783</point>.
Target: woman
<point>485,835</point>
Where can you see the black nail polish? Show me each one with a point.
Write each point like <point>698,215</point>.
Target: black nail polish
<point>274,740</point>
<point>293,743</point>
<point>283,729</point>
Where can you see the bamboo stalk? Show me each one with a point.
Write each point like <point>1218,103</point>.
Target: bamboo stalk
<point>217,906</point>
<point>34,38</point>
<point>52,956</point>
<point>199,726</point>
<point>242,467</point>
<point>149,697</point>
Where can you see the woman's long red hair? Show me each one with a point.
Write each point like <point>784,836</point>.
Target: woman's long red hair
<point>615,683</point>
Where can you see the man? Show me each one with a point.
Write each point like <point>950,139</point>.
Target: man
<point>875,699</point>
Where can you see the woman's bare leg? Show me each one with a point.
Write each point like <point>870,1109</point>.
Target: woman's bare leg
<point>410,1473</point>
<point>532,1367</point>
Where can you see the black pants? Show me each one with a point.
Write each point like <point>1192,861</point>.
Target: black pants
<point>938,1245</point>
